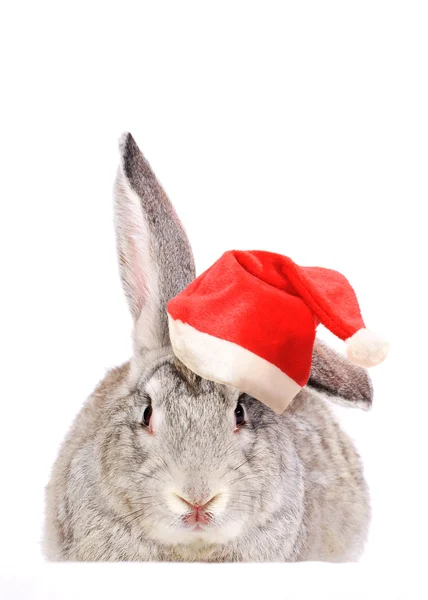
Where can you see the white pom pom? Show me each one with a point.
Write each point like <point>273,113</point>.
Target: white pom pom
<point>366,349</point>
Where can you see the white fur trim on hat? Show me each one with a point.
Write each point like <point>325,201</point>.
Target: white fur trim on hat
<point>366,349</point>
<point>228,363</point>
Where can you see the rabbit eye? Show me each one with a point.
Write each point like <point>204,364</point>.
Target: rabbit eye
<point>239,415</point>
<point>147,415</point>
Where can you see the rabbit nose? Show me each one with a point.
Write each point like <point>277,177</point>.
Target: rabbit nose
<point>197,514</point>
<point>197,506</point>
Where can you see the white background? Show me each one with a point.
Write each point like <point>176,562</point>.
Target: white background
<point>296,127</point>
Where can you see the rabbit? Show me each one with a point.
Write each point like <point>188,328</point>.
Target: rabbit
<point>152,468</point>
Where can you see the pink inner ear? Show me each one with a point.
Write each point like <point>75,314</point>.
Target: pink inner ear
<point>136,276</point>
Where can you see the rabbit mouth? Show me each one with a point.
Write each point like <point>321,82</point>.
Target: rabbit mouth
<point>188,534</point>
<point>197,521</point>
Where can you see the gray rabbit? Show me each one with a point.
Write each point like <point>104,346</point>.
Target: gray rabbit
<point>290,487</point>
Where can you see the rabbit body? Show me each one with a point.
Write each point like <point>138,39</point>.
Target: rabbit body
<point>286,487</point>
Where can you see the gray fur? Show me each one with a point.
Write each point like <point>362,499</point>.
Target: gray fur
<point>289,487</point>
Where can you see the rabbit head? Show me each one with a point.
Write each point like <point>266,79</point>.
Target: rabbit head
<point>185,460</point>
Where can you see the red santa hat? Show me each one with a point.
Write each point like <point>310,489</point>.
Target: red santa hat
<point>250,320</point>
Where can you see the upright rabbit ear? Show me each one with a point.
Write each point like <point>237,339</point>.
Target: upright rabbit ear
<point>343,382</point>
<point>155,257</point>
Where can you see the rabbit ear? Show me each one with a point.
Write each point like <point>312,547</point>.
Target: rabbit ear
<point>343,382</point>
<point>155,257</point>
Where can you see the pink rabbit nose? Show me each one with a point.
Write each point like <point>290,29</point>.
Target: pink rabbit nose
<point>197,513</point>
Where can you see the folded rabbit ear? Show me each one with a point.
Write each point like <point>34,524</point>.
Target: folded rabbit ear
<point>339,379</point>
<point>155,258</point>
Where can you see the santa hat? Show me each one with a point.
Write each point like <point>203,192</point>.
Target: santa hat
<point>250,320</point>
